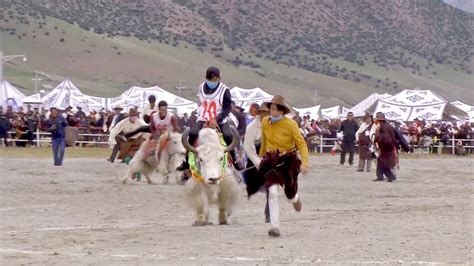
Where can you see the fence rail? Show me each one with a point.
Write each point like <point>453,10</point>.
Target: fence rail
<point>45,137</point>
<point>330,142</point>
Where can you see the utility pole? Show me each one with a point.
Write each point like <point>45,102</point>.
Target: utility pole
<point>315,97</point>
<point>36,79</point>
<point>180,87</point>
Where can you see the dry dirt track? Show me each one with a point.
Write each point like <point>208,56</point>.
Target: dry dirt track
<point>81,214</point>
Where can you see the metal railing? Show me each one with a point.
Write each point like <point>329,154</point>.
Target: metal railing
<point>45,137</point>
<point>325,142</point>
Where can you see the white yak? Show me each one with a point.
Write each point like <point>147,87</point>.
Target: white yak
<point>171,158</point>
<point>215,184</point>
<point>146,159</point>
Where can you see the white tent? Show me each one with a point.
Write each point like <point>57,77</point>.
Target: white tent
<point>67,94</point>
<point>469,109</point>
<point>139,97</point>
<point>245,97</point>
<point>33,99</point>
<point>409,105</point>
<point>361,108</point>
<point>9,95</point>
<point>313,112</point>
<point>334,112</point>
<point>463,106</point>
<point>123,101</point>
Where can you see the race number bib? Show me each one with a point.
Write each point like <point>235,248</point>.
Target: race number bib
<point>209,109</point>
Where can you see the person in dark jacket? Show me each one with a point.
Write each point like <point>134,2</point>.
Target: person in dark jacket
<point>349,128</point>
<point>5,126</point>
<point>402,144</point>
<point>183,121</point>
<point>192,119</point>
<point>238,112</point>
<point>386,142</point>
<point>79,112</point>
<point>57,125</point>
<point>31,124</point>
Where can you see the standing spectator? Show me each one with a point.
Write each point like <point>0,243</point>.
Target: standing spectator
<point>21,111</point>
<point>31,124</point>
<point>238,112</point>
<point>19,124</point>
<point>298,119</point>
<point>386,142</point>
<point>43,119</point>
<point>79,112</point>
<point>363,139</point>
<point>414,134</point>
<point>150,108</point>
<point>102,120</point>
<point>348,128</point>
<point>192,119</point>
<point>183,121</point>
<point>253,111</point>
<point>10,114</point>
<point>116,117</point>
<point>5,126</point>
<point>57,125</point>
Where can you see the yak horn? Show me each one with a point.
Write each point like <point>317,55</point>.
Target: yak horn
<point>184,140</point>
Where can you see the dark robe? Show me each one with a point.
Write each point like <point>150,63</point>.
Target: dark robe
<point>276,169</point>
<point>388,153</point>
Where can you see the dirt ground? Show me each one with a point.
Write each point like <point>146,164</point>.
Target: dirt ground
<point>80,213</point>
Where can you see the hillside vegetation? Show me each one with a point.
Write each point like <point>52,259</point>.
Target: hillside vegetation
<point>344,49</point>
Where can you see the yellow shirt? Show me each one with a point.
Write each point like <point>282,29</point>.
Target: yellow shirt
<point>283,136</point>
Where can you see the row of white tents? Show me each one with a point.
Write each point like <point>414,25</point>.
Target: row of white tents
<point>407,105</point>
<point>67,94</point>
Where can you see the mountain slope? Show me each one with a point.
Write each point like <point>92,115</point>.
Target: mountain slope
<point>344,49</point>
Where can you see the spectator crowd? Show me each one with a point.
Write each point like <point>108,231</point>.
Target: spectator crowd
<point>22,125</point>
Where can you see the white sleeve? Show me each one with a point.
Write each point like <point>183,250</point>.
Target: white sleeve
<point>360,130</point>
<point>373,130</point>
<point>249,144</point>
<point>114,132</point>
<point>141,122</point>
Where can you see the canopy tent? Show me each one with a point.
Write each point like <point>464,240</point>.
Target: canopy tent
<point>67,94</point>
<point>246,97</point>
<point>409,105</point>
<point>139,97</point>
<point>334,112</point>
<point>463,106</point>
<point>33,99</point>
<point>9,95</point>
<point>313,112</point>
<point>361,108</point>
<point>469,109</point>
<point>122,101</point>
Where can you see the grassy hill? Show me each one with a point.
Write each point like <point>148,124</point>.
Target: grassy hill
<point>104,62</point>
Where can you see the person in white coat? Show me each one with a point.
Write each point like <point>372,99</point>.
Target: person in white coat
<point>252,142</point>
<point>131,145</point>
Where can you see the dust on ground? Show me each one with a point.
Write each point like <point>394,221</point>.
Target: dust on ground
<point>80,213</point>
